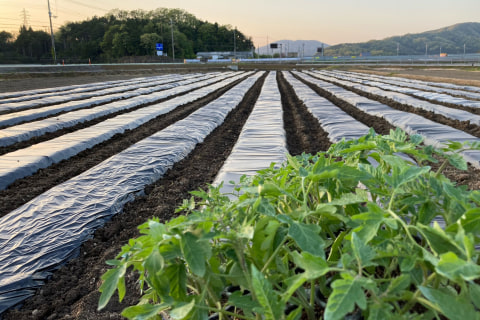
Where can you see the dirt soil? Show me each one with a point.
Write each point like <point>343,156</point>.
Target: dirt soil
<point>72,291</point>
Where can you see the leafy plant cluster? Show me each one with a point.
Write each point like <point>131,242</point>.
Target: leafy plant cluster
<point>348,232</point>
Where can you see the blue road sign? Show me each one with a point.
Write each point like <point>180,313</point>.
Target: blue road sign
<point>159,46</point>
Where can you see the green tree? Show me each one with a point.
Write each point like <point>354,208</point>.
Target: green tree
<point>148,41</point>
<point>33,44</point>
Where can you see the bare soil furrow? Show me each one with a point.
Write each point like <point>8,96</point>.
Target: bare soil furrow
<point>304,132</point>
<point>380,125</point>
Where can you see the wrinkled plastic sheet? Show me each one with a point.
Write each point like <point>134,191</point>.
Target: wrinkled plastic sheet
<point>10,119</point>
<point>61,98</point>
<point>261,141</point>
<point>333,120</point>
<point>449,88</point>
<point>36,100</point>
<point>23,132</point>
<point>64,97</point>
<point>98,86</point>
<point>451,113</point>
<point>434,96</point>
<point>21,163</point>
<point>435,134</point>
<point>38,237</point>
<point>32,94</point>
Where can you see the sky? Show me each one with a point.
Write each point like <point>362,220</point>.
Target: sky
<point>266,21</point>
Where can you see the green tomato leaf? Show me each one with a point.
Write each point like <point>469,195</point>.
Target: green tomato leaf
<point>453,191</point>
<point>156,230</point>
<point>313,265</point>
<point>143,311</point>
<point>346,293</point>
<point>155,262</point>
<point>237,276</point>
<point>112,279</point>
<point>370,222</point>
<point>243,302</point>
<point>438,240</point>
<point>399,283</point>
<point>266,208</point>
<point>269,189</point>
<point>326,173</point>
<point>177,281</point>
<point>369,145</point>
<point>416,139</point>
<point>307,237</point>
<point>452,306</point>
<point>348,198</point>
<point>380,311</point>
<point>471,220</point>
<point>457,161</point>
<point>456,269</point>
<point>407,263</point>
<point>303,172</point>
<point>196,253</point>
<point>182,310</point>
<point>426,212</point>
<point>336,249</point>
<point>295,314</point>
<point>453,145</point>
<point>293,283</point>
<point>272,307</point>
<point>404,176</point>
<point>264,238</point>
<point>363,252</point>
<point>475,294</point>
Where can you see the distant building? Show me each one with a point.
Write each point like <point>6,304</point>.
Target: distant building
<point>216,55</point>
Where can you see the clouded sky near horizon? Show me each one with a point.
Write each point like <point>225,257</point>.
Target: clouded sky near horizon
<point>332,22</point>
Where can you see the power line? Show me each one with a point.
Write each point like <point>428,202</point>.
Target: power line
<point>17,24</point>
<point>87,5</point>
<point>15,19</point>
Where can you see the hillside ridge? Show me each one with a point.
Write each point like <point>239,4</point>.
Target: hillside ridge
<point>455,39</point>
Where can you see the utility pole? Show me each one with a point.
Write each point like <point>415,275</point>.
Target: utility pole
<point>173,44</point>
<point>398,48</point>
<point>51,33</point>
<point>234,44</point>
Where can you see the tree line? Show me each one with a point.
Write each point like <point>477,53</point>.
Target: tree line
<point>121,34</point>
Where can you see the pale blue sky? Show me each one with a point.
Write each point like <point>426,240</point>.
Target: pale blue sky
<point>333,22</point>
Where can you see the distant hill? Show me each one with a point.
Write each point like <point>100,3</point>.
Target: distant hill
<point>450,40</point>
<point>307,47</point>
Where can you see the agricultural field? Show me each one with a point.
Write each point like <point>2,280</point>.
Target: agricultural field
<point>85,161</point>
